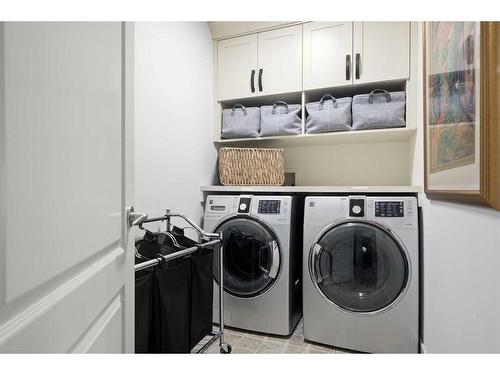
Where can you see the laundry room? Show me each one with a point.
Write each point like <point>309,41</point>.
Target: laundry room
<point>230,185</point>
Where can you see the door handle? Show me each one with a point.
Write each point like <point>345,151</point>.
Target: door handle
<point>274,252</point>
<point>347,67</point>
<point>273,272</point>
<point>315,269</point>
<point>252,81</point>
<point>261,71</point>
<point>358,64</point>
<point>133,218</point>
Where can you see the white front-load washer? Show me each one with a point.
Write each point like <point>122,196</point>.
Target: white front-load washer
<point>262,242</point>
<point>360,273</point>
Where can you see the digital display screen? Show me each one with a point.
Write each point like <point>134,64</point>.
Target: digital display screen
<point>269,207</point>
<point>389,209</point>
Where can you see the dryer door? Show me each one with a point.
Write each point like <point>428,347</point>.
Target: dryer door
<point>251,256</point>
<point>359,266</point>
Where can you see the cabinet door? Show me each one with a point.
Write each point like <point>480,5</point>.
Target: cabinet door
<point>280,61</point>
<point>381,51</point>
<point>327,54</point>
<point>237,67</point>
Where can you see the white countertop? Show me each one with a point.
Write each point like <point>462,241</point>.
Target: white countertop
<point>313,189</point>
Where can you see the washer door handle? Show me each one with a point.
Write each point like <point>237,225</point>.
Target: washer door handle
<point>316,274</point>
<point>273,253</point>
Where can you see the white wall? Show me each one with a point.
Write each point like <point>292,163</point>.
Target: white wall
<point>174,153</point>
<point>376,164</point>
<point>461,268</point>
<point>461,278</point>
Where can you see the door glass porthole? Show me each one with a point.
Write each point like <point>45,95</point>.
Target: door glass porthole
<point>359,267</point>
<point>251,257</point>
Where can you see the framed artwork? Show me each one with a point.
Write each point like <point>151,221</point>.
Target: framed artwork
<point>461,111</point>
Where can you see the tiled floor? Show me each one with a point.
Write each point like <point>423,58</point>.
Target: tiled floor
<point>245,342</point>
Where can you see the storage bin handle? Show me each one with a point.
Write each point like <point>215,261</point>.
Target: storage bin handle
<point>242,107</point>
<point>276,104</point>
<point>385,92</point>
<point>326,97</point>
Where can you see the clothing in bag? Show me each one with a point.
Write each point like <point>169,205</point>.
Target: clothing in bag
<point>149,246</point>
<point>240,122</point>
<point>379,109</point>
<point>329,115</point>
<point>280,119</point>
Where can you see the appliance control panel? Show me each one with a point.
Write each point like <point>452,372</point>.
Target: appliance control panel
<point>389,209</point>
<point>269,206</point>
<point>217,205</point>
<point>396,212</point>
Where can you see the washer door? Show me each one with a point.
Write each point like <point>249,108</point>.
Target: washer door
<point>359,267</point>
<point>251,256</point>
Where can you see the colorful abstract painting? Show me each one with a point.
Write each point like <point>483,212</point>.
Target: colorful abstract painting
<point>451,91</point>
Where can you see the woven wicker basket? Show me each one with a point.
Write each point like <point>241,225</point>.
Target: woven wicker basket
<point>251,166</point>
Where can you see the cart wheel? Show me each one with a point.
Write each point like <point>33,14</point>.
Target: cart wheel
<point>228,349</point>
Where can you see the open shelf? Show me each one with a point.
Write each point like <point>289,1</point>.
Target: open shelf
<point>303,139</point>
<point>348,137</point>
<point>312,189</point>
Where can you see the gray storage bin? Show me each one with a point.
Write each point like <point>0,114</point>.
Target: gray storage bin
<point>329,115</point>
<point>280,119</point>
<point>379,109</point>
<point>240,122</point>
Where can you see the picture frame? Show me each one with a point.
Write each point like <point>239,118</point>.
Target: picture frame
<point>461,103</point>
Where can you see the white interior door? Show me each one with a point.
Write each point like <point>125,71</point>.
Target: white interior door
<point>237,67</point>
<point>280,60</point>
<point>327,54</point>
<point>66,266</point>
<point>381,51</point>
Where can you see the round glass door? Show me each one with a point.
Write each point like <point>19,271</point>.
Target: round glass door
<point>251,256</point>
<point>359,267</point>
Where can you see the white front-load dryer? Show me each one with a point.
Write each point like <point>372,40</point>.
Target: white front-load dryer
<point>262,260</point>
<point>360,273</point>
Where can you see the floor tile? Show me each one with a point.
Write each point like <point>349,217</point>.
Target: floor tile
<point>296,349</point>
<point>268,347</point>
<point>239,350</point>
<point>250,342</point>
<point>232,337</point>
<point>276,339</point>
<point>246,342</point>
<point>296,340</point>
<point>320,349</point>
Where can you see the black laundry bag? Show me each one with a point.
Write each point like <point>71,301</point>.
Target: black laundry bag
<point>181,296</point>
<point>202,295</point>
<point>171,307</point>
<point>143,308</point>
<point>148,247</point>
<point>201,288</point>
<point>162,296</point>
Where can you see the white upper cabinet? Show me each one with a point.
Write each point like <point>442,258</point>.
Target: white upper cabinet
<point>327,54</point>
<point>381,51</point>
<point>312,56</point>
<point>280,61</point>
<point>237,67</point>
